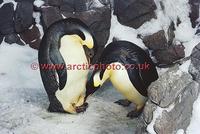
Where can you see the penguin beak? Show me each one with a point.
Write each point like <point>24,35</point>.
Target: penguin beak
<point>89,53</point>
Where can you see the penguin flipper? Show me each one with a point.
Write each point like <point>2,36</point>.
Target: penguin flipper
<point>137,81</point>
<point>60,67</point>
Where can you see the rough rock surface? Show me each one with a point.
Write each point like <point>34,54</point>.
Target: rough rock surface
<point>165,90</point>
<point>195,63</point>
<point>50,15</point>
<point>23,16</point>
<point>13,38</point>
<point>156,41</point>
<point>53,2</point>
<point>164,49</point>
<point>148,111</point>
<point>169,55</point>
<point>134,13</point>
<point>1,38</point>
<point>31,37</point>
<point>25,0</point>
<point>173,95</point>
<point>179,116</point>
<point>6,24</point>
<point>194,14</point>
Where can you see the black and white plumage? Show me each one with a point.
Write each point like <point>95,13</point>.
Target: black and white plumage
<point>137,71</point>
<point>65,42</point>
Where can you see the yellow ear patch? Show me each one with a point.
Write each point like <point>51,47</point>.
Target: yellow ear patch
<point>89,43</point>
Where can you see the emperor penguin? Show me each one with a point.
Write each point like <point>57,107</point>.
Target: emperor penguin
<point>130,70</point>
<point>65,46</point>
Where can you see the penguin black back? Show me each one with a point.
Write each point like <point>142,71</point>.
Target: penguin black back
<point>140,67</point>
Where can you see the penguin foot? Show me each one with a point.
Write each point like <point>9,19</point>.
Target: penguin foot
<point>82,108</point>
<point>56,108</point>
<point>124,103</point>
<point>134,114</point>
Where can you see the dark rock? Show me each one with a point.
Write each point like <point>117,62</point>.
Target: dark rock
<point>169,55</point>
<point>195,66</point>
<point>171,97</point>
<point>134,13</point>
<point>67,6</point>
<point>81,5</point>
<point>178,22</point>
<point>165,90</point>
<point>13,38</point>
<point>148,111</point>
<point>1,38</point>
<point>156,41</point>
<point>35,44</point>
<point>25,1</point>
<point>106,2</point>
<point>23,16</point>
<point>50,15</point>
<point>6,21</point>
<point>194,14</point>
<point>1,1</point>
<point>31,37</point>
<point>56,3</point>
<point>179,116</point>
<point>171,34</point>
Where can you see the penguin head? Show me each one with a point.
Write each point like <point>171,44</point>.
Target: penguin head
<point>96,81</point>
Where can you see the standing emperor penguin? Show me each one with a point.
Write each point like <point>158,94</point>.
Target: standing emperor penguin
<point>130,70</point>
<point>65,43</point>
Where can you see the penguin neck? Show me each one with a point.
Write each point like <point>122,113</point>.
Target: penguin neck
<point>106,75</point>
<point>72,50</point>
<point>72,39</point>
<point>98,81</point>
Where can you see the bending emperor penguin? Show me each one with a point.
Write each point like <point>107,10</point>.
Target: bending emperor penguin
<point>130,70</point>
<point>65,46</point>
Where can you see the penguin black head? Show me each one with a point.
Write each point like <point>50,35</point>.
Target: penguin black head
<point>83,31</point>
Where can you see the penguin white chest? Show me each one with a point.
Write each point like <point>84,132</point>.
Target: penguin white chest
<point>74,56</point>
<point>122,82</point>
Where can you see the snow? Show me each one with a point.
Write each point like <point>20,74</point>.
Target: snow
<point>122,32</point>
<point>156,114</point>
<point>181,31</point>
<point>185,66</point>
<point>193,128</point>
<point>23,102</point>
<point>37,15</point>
<point>9,1</point>
<point>95,4</point>
<point>180,131</point>
<point>38,3</point>
<point>190,45</point>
